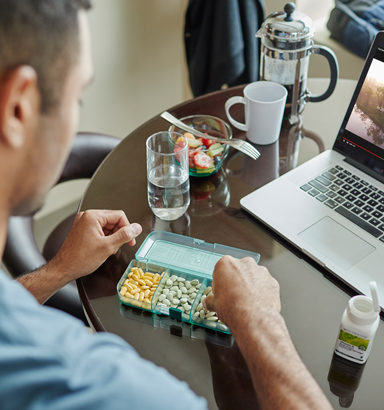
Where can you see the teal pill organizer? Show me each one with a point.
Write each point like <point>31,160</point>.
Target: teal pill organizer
<point>189,260</point>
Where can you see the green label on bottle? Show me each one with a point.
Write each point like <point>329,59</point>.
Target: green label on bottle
<point>360,343</point>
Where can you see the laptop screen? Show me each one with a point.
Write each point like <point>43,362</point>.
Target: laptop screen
<point>361,137</point>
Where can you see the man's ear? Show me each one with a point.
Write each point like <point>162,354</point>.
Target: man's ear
<point>19,105</point>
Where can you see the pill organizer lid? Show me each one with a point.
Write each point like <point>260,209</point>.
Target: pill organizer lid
<point>186,253</point>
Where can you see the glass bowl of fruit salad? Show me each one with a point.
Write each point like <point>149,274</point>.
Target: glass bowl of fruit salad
<point>205,155</point>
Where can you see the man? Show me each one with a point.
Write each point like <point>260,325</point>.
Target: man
<point>47,359</point>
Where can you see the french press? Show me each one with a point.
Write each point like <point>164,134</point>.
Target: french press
<point>286,45</point>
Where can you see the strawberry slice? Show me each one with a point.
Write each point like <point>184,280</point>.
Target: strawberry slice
<point>208,142</point>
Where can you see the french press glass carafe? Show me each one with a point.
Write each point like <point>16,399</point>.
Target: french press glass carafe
<point>286,45</point>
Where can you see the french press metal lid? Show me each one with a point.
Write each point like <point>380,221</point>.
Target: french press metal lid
<point>288,30</point>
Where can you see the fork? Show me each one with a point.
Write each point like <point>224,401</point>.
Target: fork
<point>236,143</point>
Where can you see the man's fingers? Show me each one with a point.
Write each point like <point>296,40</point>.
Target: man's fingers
<point>209,303</point>
<point>127,234</point>
<point>107,219</point>
<point>136,229</point>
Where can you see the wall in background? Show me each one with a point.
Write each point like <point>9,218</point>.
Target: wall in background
<point>138,51</point>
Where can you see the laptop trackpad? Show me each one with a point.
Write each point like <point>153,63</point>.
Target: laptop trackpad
<point>336,242</point>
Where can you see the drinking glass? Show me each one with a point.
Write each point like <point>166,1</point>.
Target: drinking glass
<point>168,174</point>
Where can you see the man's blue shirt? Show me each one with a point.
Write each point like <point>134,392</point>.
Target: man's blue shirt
<point>48,360</point>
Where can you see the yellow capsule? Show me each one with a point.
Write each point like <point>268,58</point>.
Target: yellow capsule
<point>151,292</point>
<point>133,282</point>
<point>149,274</point>
<point>123,290</point>
<point>145,287</point>
<point>146,300</point>
<point>130,274</point>
<point>135,276</point>
<point>146,293</point>
<point>140,271</point>
<point>141,296</point>
<point>148,282</point>
<point>130,286</point>
<point>141,282</point>
<point>129,295</point>
<point>134,291</point>
<point>153,288</point>
<point>136,296</point>
<point>134,268</point>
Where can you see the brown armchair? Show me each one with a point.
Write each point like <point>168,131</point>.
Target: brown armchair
<point>22,253</point>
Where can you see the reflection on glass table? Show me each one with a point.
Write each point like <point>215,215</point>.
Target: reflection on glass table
<point>344,378</point>
<point>209,195</point>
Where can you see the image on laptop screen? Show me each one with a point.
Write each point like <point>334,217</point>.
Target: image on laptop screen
<point>367,117</point>
<point>361,137</point>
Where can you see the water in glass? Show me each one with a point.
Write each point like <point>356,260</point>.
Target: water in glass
<point>168,192</point>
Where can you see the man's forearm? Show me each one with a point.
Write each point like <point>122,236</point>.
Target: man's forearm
<point>280,378</point>
<point>44,282</point>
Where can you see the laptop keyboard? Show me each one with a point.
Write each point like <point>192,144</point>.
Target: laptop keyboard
<point>350,196</point>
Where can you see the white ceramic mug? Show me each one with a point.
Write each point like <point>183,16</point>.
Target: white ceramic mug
<point>264,104</point>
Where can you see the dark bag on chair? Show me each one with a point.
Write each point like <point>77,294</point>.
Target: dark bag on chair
<point>354,23</point>
<point>220,43</point>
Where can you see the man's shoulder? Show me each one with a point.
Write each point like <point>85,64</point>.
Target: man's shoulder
<point>12,291</point>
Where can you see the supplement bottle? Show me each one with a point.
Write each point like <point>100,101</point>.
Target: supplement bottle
<point>358,327</point>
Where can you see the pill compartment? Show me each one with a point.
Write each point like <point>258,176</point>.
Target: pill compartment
<point>188,258</point>
<point>205,318</point>
<point>146,267</point>
<point>176,291</point>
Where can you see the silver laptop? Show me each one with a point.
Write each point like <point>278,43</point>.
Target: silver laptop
<point>332,207</point>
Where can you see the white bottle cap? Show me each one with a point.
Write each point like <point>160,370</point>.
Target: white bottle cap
<point>375,297</point>
<point>361,310</point>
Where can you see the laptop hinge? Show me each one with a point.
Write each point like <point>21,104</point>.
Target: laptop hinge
<point>364,169</point>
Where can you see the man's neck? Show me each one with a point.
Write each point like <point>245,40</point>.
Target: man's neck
<point>4,216</point>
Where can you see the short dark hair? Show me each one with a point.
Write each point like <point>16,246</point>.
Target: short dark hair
<point>43,34</point>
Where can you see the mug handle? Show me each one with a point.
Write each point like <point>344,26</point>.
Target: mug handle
<point>332,61</point>
<point>228,104</point>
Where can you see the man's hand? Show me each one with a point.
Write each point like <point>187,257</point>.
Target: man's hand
<point>242,289</point>
<point>95,235</point>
